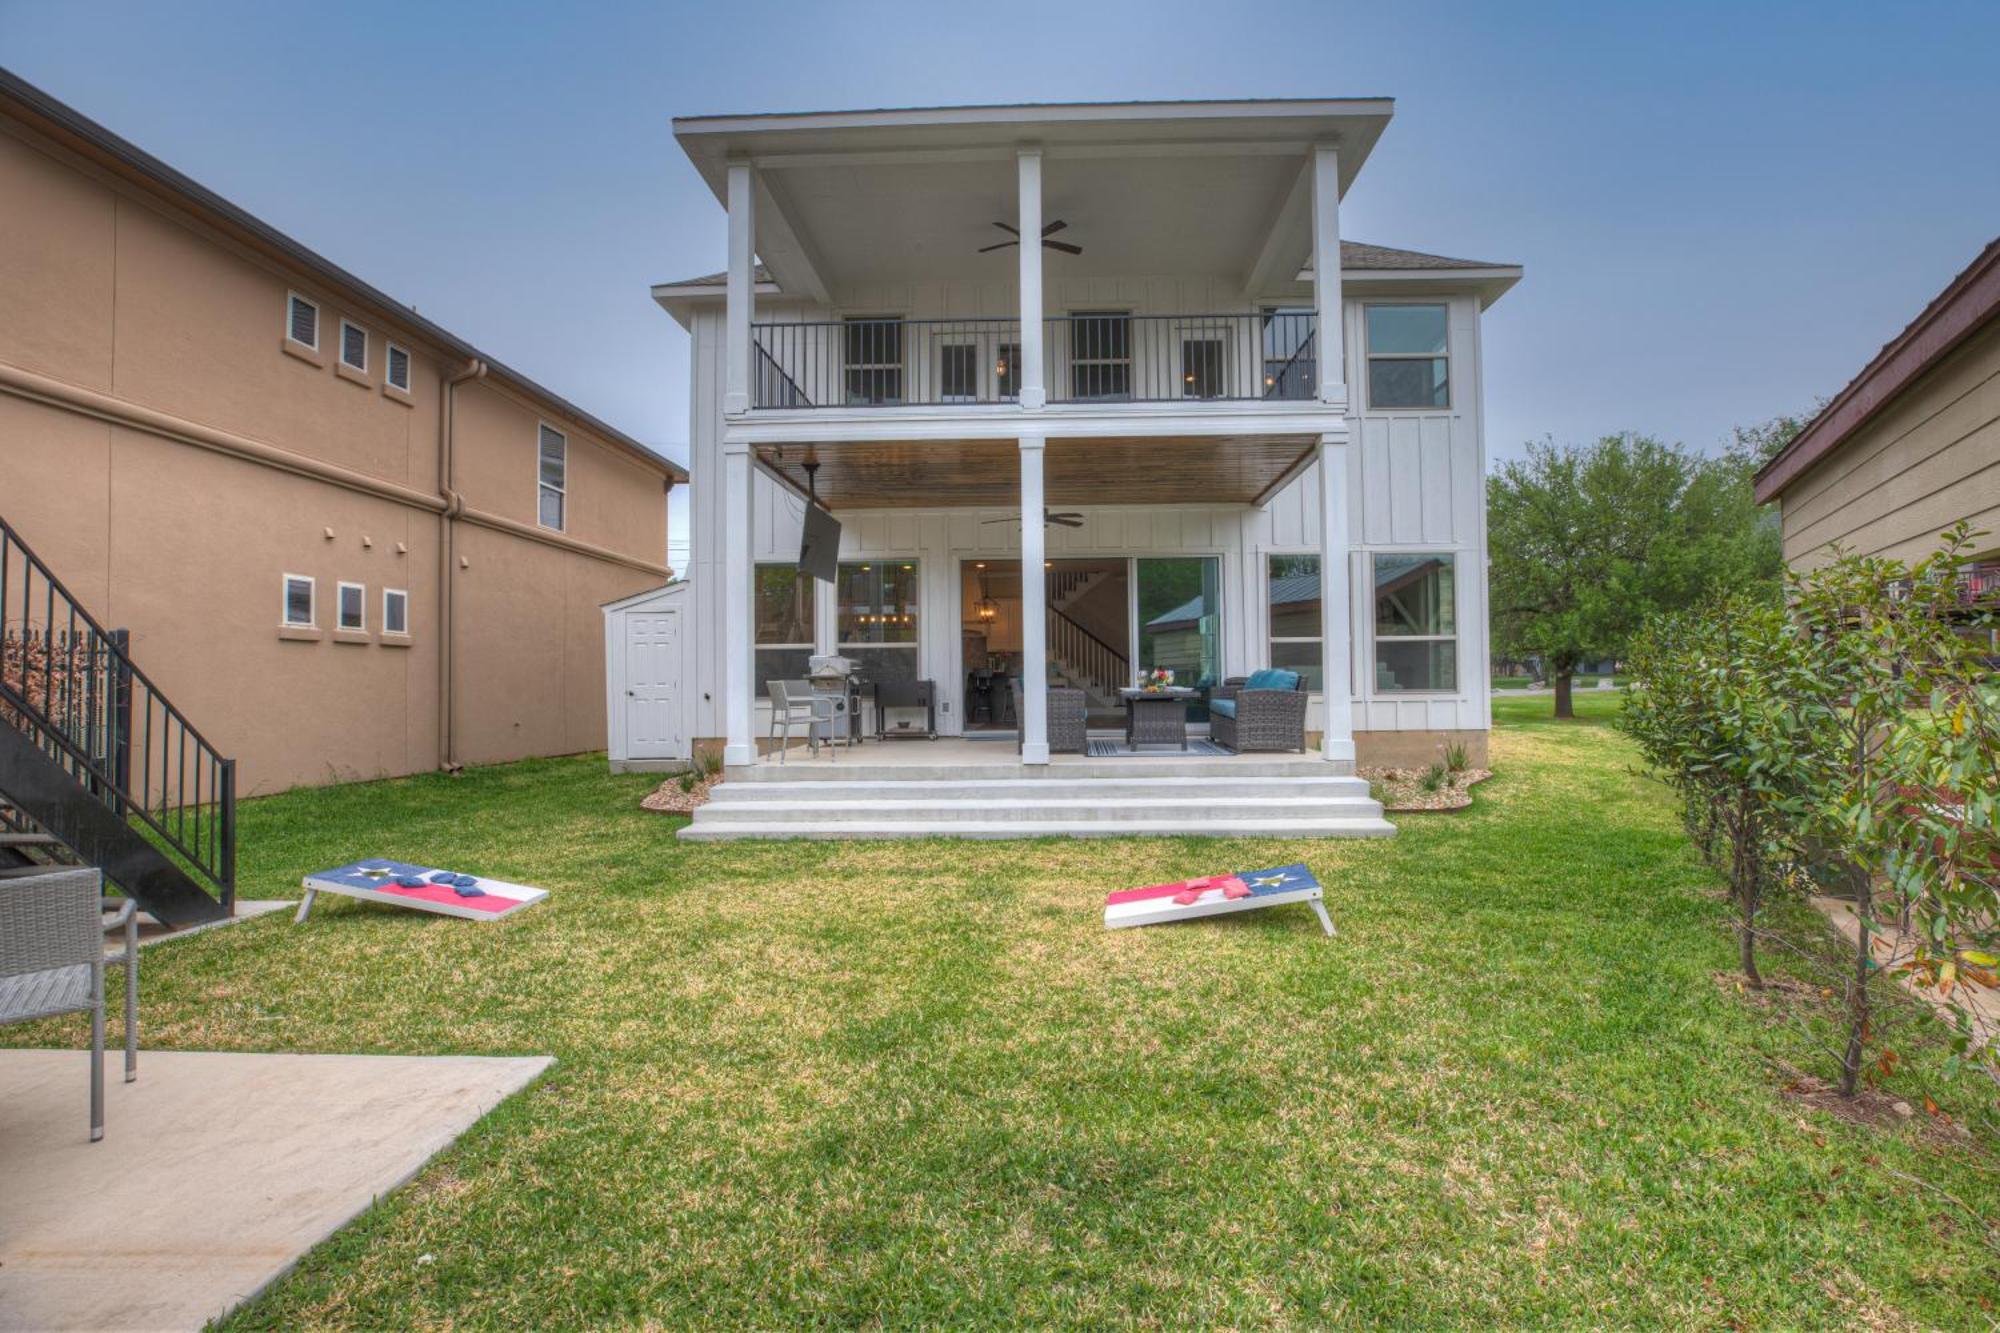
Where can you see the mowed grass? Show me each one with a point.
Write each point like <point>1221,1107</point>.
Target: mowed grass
<point>918,1083</point>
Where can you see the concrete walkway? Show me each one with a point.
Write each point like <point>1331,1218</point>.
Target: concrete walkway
<point>216,1172</point>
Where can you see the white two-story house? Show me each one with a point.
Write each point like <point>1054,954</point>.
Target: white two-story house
<point>1087,400</point>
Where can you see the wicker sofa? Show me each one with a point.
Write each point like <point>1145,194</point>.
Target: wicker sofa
<point>1067,715</point>
<point>1265,711</point>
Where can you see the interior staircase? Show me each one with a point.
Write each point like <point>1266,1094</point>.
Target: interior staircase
<point>854,797</point>
<point>99,768</point>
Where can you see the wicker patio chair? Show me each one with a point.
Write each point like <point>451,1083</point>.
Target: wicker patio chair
<point>1068,710</point>
<point>52,961</point>
<point>1265,712</point>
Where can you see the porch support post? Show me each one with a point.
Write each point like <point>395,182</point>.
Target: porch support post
<point>1326,274</point>
<point>742,293</point>
<point>738,663</point>
<point>1336,626</point>
<point>1034,608</point>
<point>1034,390</point>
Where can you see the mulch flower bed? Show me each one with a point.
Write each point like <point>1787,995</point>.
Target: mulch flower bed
<point>1401,790</point>
<point>669,799</point>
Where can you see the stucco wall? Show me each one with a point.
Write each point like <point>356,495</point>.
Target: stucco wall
<point>1928,459</point>
<point>112,290</point>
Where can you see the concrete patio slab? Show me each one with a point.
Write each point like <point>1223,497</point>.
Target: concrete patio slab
<point>216,1173</point>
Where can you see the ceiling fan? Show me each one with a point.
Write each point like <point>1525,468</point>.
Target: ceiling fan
<point>1047,232</point>
<point>1064,520</point>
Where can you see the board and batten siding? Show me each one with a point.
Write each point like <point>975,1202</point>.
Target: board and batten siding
<point>1927,460</point>
<point>1416,482</point>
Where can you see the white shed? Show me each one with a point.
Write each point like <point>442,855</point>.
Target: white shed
<point>646,717</point>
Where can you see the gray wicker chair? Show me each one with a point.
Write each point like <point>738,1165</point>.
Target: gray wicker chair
<point>1068,718</point>
<point>1262,720</point>
<point>52,961</point>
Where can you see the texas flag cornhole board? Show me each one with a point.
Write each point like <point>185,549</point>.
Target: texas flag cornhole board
<point>1213,895</point>
<point>376,880</point>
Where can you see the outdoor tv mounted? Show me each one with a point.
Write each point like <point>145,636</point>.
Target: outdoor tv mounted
<point>819,546</point>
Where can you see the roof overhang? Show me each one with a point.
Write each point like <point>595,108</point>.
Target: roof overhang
<point>1967,305</point>
<point>849,198</point>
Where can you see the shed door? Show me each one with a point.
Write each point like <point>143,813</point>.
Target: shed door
<point>652,685</point>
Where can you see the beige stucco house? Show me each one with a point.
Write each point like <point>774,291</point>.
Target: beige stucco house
<point>1911,446</point>
<point>345,543</point>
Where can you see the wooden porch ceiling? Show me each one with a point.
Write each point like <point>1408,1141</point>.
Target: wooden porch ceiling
<point>894,474</point>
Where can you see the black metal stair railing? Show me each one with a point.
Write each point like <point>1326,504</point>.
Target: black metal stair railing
<point>71,687</point>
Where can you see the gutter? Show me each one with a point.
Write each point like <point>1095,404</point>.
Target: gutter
<point>454,507</point>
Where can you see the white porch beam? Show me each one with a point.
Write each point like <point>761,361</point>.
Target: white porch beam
<point>786,252</point>
<point>1336,630</point>
<point>1326,273</point>
<point>741,297</point>
<point>1034,392</point>
<point>1034,609</point>
<point>738,661</point>
<point>1286,244</point>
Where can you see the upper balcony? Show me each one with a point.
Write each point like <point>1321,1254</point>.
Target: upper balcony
<point>1169,266</point>
<point>1103,356</point>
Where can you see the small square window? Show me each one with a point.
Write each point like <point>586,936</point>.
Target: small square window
<point>297,608</point>
<point>353,607</point>
<point>353,346</point>
<point>1408,361</point>
<point>552,474</point>
<point>398,368</point>
<point>302,321</point>
<point>395,611</point>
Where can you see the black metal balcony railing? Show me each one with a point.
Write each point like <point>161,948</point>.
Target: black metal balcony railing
<point>1097,357</point>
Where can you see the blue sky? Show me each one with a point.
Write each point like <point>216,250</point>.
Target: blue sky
<point>1723,208</point>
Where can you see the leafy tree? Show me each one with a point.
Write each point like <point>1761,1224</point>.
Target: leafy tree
<point>1759,444</point>
<point>1586,543</point>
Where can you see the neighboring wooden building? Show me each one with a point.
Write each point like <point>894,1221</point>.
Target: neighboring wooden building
<point>346,543</point>
<point>1911,446</point>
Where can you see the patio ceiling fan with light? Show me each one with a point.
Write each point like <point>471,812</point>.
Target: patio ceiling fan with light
<point>1047,232</point>
<point>1071,519</point>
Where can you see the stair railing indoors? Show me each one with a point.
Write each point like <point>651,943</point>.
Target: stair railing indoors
<point>71,686</point>
<point>1096,661</point>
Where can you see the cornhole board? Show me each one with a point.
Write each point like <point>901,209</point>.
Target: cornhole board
<point>374,881</point>
<point>1213,895</point>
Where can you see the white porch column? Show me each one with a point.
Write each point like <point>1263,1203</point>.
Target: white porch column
<point>1336,630</point>
<point>1034,390</point>
<point>1326,274</point>
<point>742,290</point>
<point>738,661</point>
<point>1034,609</point>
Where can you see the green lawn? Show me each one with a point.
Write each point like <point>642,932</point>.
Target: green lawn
<point>919,1084</point>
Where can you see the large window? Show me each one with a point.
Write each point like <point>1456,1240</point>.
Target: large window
<point>1180,624</point>
<point>1408,366</point>
<point>553,475</point>
<point>1290,345</point>
<point>784,623</point>
<point>958,372</point>
<point>1100,355</point>
<point>874,348</point>
<point>1295,616</point>
<point>1201,368</point>
<point>877,623</point>
<point>1416,623</point>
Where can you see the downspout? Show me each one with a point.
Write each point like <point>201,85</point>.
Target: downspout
<point>454,505</point>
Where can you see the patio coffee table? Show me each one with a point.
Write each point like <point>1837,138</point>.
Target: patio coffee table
<point>1156,717</point>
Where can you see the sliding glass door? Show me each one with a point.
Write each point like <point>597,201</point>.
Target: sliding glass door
<point>1180,622</point>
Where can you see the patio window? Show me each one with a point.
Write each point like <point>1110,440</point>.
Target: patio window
<point>1416,623</point>
<point>1293,587</point>
<point>878,618</point>
<point>1007,371</point>
<point>1100,355</point>
<point>958,373</point>
<point>1290,346</point>
<point>1407,363</point>
<point>784,623</point>
<point>874,347</point>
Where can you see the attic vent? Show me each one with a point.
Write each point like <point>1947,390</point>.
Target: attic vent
<point>303,322</point>
<point>399,368</point>
<point>353,346</point>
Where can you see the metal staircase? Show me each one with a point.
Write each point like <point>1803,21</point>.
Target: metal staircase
<point>97,766</point>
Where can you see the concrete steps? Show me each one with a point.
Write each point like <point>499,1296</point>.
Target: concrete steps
<point>872,804</point>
